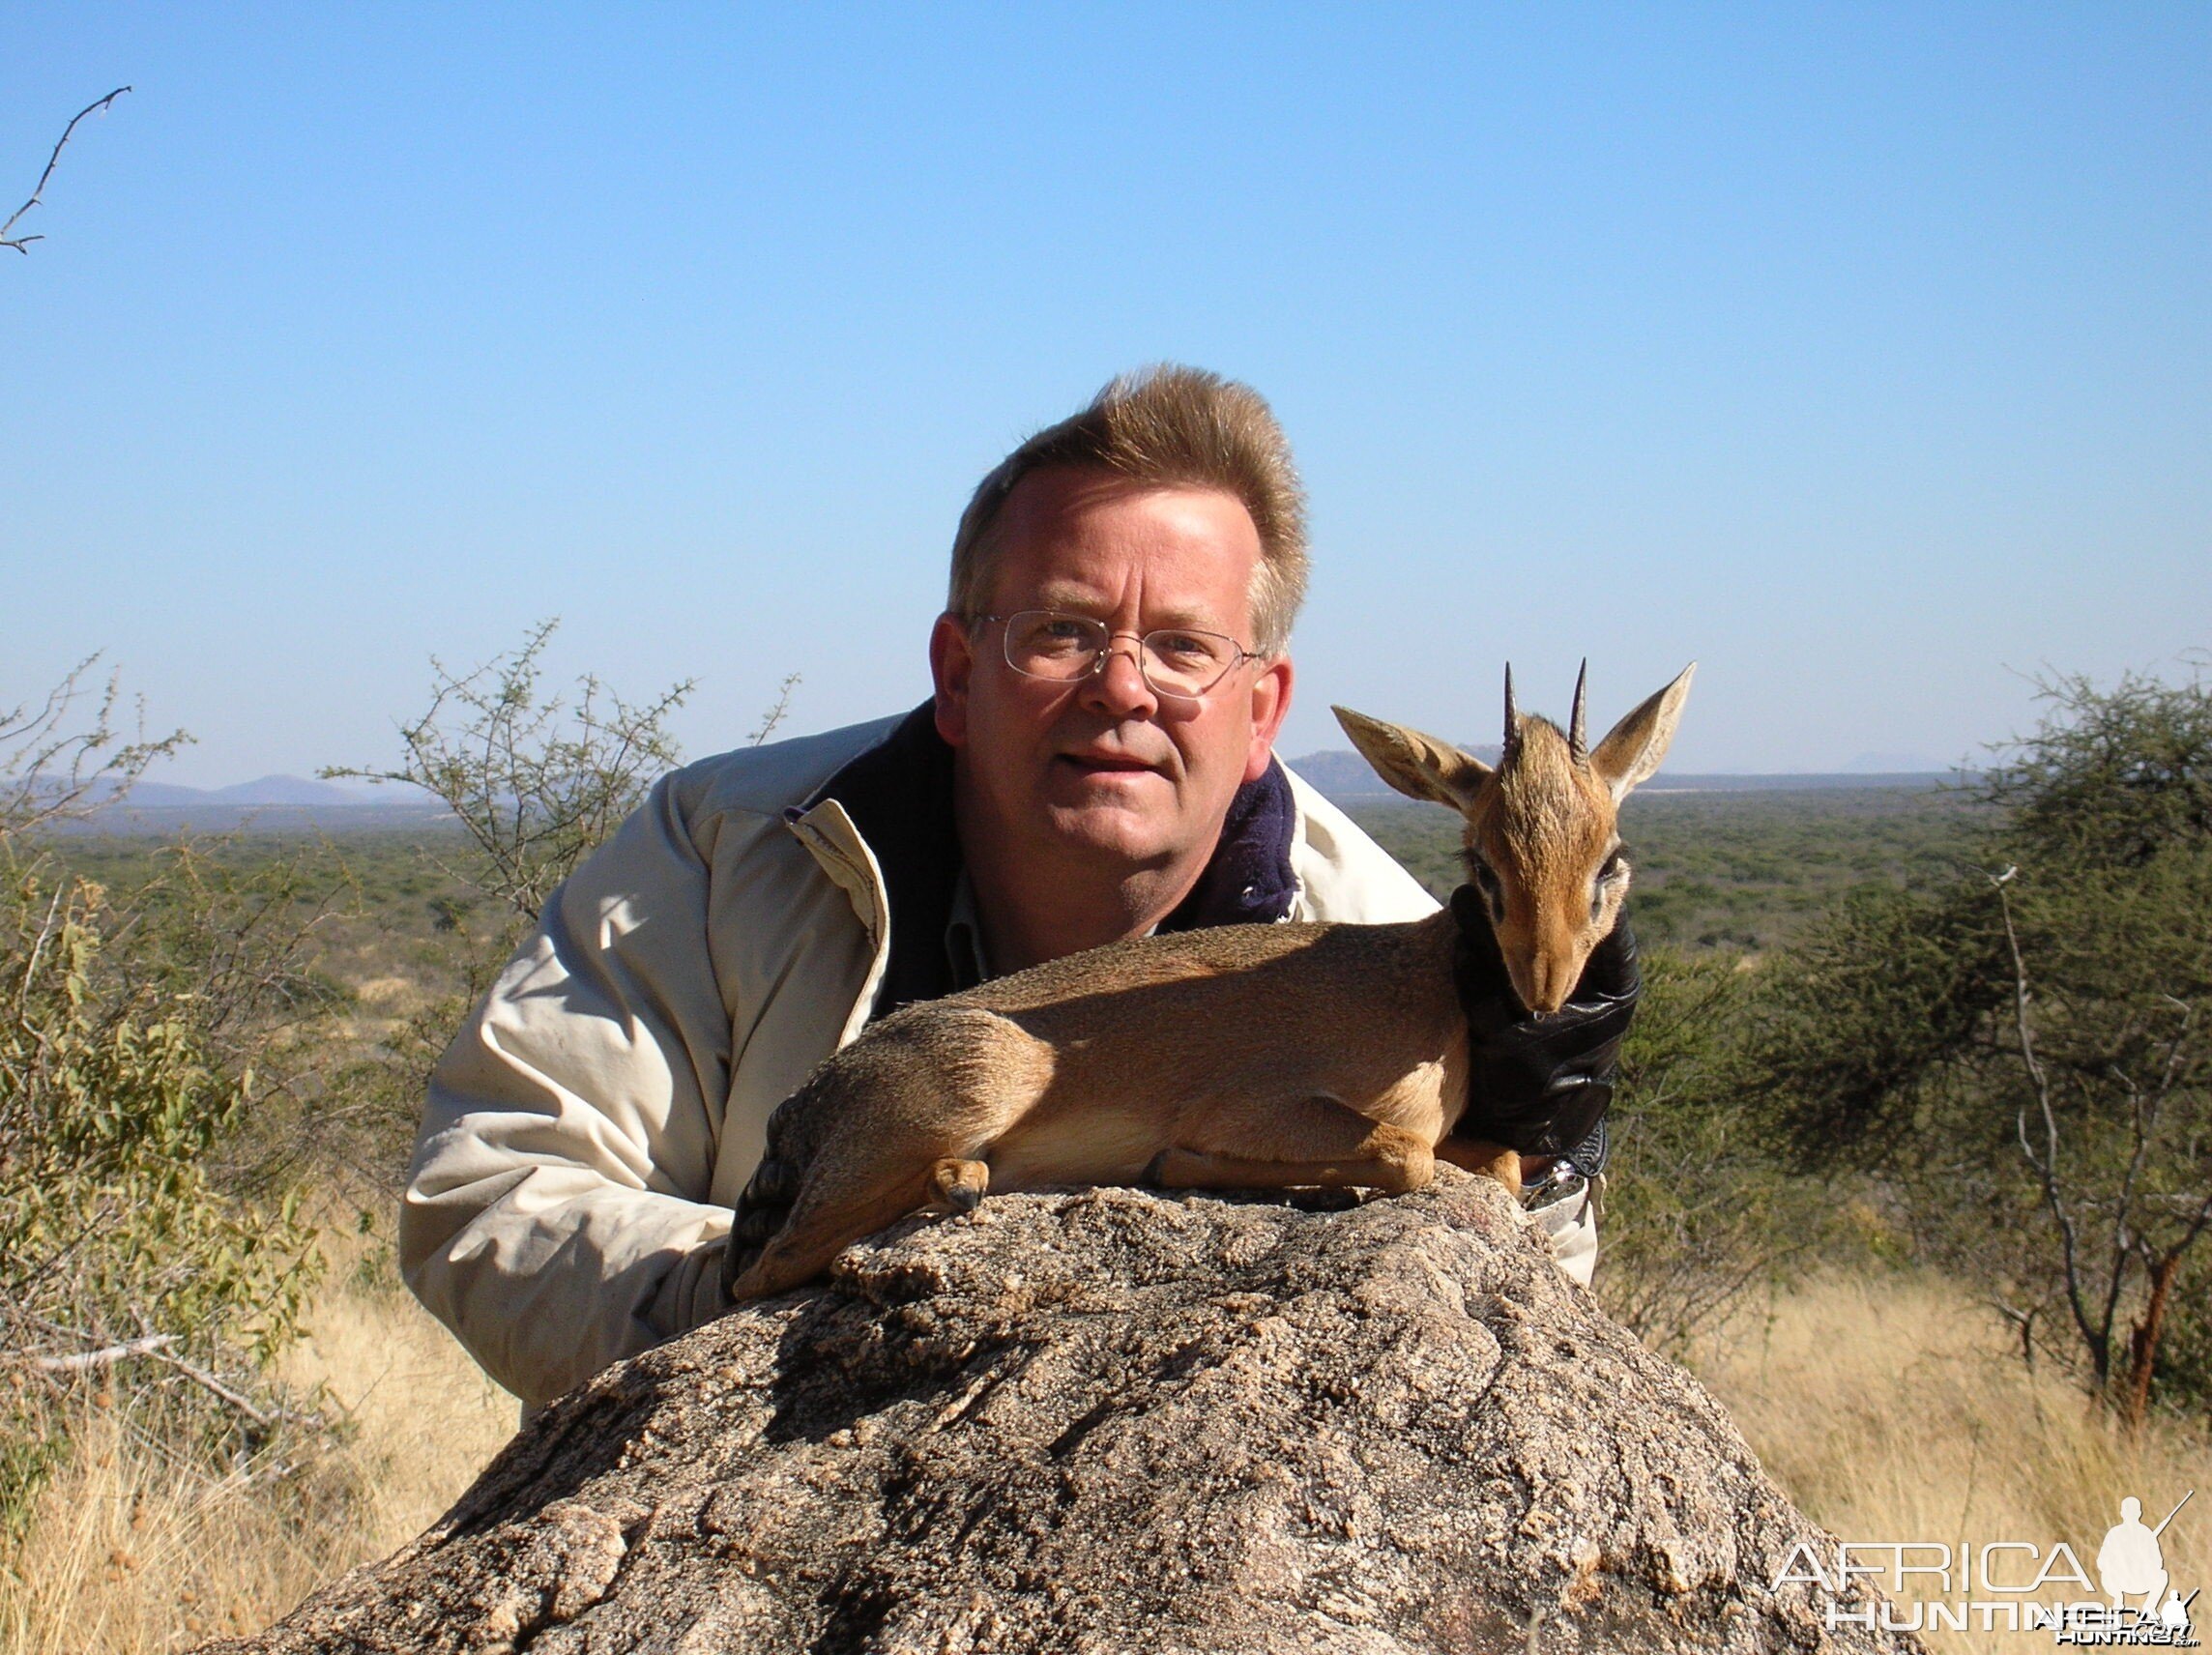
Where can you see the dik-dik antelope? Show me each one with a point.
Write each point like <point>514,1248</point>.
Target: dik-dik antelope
<point>1244,1057</point>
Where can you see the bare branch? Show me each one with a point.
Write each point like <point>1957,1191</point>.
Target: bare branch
<point>2046,1165</point>
<point>2142,1121</point>
<point>216,1388</point>
<point>22,243</point>
<point>51,773</point>
<point>106,1357</point>
<point>774,716</point>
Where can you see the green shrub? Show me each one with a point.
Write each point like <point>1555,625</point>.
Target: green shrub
<point>113,1232</point>
<point>138,1264</point>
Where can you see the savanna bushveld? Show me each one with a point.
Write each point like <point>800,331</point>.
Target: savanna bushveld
<point>1913,1163</point>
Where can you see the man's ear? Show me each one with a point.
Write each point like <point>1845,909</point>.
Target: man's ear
<point>951,663</point>
<point>1271,705</point>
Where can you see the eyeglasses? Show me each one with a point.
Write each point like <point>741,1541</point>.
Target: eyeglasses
<point>1176,662</point>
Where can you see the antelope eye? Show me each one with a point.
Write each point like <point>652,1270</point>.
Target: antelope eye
<point>1606,875</point>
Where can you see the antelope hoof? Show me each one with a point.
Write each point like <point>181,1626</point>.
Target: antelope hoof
<point>1489,1160</point>
<point>960,1184</point>
<point>771,1181</point>
<point>1505,1168</point>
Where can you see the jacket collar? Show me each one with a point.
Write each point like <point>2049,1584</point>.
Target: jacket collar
<point>899,795</point>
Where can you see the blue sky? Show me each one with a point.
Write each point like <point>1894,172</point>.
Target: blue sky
<point>1861,353</point>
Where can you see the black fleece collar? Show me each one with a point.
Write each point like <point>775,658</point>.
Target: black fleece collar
<point>899,794</point>
<point>1478,970</point>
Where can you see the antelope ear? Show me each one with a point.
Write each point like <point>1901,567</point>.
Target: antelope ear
<point>1632,751</point>
<point>1418,766</point>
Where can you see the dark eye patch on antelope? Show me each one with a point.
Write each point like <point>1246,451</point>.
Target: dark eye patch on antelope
<point>1486,881</point>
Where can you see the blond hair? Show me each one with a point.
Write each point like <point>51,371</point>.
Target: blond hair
<point>1172,427</point>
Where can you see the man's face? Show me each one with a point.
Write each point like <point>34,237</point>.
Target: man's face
<point>1104,768</point>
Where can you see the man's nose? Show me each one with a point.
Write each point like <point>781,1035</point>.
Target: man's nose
<point>1117,685</point>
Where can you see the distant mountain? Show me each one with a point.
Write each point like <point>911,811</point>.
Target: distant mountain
<point>156,795</point>
<point>293,789</point>
<point>266,789</point>
<point>1346,779</point>
<point>284,804</point>
<point>1342,776</point>
<point>272,804</point>
<point>1896,764</point>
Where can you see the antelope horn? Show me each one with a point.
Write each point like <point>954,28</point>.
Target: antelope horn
<point>1512,713</point>
<point>1578,743</point>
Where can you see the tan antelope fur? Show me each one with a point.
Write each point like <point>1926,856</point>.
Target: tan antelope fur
<point>1258,1056</point>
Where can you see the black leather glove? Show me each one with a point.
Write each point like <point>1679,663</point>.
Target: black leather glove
<point>1541,1085</point>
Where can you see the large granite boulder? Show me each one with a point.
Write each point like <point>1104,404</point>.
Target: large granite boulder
<point>1122,1422</point>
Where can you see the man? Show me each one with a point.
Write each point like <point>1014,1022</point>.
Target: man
<point>1095,762</point>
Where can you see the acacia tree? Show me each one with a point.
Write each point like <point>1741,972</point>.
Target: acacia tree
<point>536,780</point>
<point>2110,1060</point>
<point>2022,1051</point>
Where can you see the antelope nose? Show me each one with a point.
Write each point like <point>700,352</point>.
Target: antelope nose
<point>1555,983</point>
<point>1532,987</point>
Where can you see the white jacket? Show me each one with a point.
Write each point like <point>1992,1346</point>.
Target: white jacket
<point>593,1123</point>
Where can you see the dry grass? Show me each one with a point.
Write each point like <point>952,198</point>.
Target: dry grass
<point>1896,1409</point>
<point>126,1557</point>
<point>1891,1409</point>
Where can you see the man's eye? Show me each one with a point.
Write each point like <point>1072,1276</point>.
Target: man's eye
<point>1183,648</point>
<point>1064,636</point>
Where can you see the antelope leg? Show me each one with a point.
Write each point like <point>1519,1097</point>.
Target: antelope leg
<point>822,1226</point>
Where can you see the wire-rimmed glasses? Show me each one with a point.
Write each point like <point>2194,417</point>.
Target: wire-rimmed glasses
<point>1176,662</point>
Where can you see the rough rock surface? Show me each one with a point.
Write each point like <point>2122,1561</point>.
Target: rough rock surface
<point>1117,1421</point>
